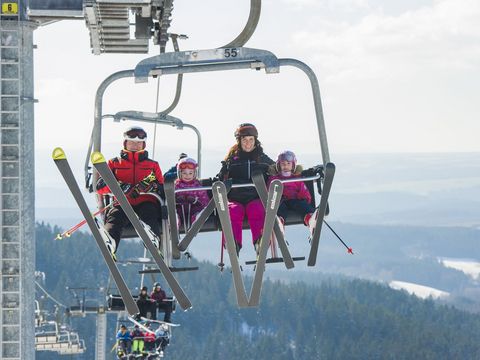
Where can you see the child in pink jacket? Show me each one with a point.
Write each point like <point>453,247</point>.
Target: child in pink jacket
<point>295,196</point>
<point>189,202</point>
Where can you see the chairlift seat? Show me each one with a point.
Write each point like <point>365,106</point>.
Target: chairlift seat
<point>213,224</point>
<point>115,303</point>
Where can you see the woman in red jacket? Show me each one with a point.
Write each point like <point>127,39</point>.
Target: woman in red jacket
<point>130,168</point>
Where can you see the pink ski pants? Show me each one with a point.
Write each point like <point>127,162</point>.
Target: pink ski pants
<point>256,216</point>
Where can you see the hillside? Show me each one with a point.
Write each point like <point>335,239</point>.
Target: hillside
<point>329,318</point>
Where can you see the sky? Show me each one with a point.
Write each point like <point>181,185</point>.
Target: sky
<point>395,77</point>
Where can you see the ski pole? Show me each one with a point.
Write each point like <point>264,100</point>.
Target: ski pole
<point>184,219</point>
<point>349,249</point>
<point>74,228</point>
<point>221,263</point>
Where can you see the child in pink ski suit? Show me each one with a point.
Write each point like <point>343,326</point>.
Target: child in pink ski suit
<point>244,157</point>
<point>189,202</point>
<point>295,194</point>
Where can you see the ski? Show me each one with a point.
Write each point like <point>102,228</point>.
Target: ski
<point>101,166</point>
<point>172,269</point>
<point>197,225</point>
<point>140,325</point>
<point>160,322</point>
<point>261,187</point>
<point>315,238</point>
<point>220,196</point>
<point>169,187</point>
<point>63,166</point>
<point>273,202</point>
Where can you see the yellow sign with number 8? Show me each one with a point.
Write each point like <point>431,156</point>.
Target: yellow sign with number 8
<point>9,8</point>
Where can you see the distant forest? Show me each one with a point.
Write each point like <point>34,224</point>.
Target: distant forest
<point>334,318</point>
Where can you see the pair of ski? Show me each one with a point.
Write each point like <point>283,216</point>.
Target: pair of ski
<point>272,203</point>
<point>101,166</point>
<point>329,173</point>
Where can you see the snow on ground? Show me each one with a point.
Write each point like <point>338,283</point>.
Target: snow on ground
<point>418,290</point>
<point>468,266</point>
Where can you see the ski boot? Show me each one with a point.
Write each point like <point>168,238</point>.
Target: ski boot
<point>155,239</point>
<point>310,220</point>
<point>109,243</point>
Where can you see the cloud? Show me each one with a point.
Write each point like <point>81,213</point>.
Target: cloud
<point>443,36</point>
<point>349,5</point>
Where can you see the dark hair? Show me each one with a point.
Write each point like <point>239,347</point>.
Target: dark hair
<point>237,148</point>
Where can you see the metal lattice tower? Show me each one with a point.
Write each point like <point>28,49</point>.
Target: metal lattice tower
<point>17,253</point>
<point>100,347</point>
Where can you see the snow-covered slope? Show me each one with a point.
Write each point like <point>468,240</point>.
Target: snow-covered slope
<point>418,290</point>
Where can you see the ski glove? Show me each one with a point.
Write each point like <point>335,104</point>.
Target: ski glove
<point>126,187</point>
<point>192,199</point>
<point>100,184</point>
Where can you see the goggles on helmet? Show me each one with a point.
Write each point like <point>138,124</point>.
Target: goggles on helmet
<point>187,165</point>
<point>135,134</point>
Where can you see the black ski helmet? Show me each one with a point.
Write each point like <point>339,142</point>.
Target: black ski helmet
<point>246,129</point>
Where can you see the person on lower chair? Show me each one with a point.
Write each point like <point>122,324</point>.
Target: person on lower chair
<point>124,341</point>
<point>163,304</point>
<point>146,306</point>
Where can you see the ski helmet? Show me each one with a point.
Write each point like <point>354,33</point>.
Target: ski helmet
<point>246,129</point>
<point>135,133</point>
<point>157,284</point>
<point>187,163</point>
<point>287,155</point>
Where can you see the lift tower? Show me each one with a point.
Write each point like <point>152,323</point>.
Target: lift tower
<point>17,252</point>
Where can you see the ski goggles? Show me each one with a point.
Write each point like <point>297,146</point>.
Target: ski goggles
<point>287,156</point>
<point>187,165</point>
<point>135,135</point>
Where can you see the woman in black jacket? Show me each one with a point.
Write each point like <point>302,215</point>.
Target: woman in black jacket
<point>242,159</point>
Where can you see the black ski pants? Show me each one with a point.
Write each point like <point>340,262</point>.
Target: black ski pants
<point>147,308</point>
<point>116,219</point>
<point>301,207</point>
<point>166,307</point>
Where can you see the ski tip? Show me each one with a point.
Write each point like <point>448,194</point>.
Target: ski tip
<point>58,154</point>
<point>350,250</point>
<point>97,157</point>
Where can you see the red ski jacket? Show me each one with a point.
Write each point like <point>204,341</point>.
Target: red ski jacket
<point>131,168</point>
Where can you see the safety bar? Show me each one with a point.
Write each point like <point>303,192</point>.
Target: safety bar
<point>284,181</point>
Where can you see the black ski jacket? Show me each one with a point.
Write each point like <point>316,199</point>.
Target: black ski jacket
<point>239,169</point>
